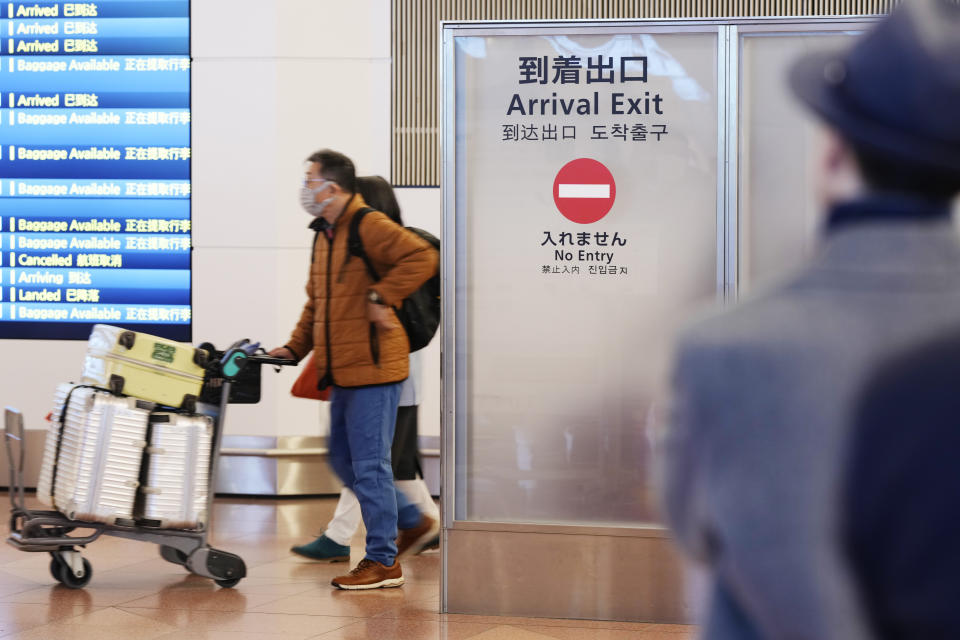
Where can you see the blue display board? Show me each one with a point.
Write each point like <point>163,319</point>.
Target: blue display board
<point>95,168</point>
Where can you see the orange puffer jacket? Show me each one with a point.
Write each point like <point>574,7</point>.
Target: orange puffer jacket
<point>349,350</point>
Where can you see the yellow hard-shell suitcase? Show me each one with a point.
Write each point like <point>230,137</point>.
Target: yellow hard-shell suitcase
<point>144,366</point>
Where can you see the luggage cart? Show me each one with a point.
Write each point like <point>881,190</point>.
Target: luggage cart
<point>54,533</point>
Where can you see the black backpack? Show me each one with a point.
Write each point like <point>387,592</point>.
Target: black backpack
<point>420,311</point>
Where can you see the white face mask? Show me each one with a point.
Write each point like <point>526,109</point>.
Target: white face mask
<point>308,199</point>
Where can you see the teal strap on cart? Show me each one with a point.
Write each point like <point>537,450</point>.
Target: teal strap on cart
<point>235,358</point>
<point>234,363</point>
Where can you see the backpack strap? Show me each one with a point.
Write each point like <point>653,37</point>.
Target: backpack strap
<point>355,243</point>
<point>319,225</point>
<point>313,248</point>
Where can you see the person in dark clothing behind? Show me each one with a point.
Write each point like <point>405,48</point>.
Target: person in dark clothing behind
<point>379,194</point>
<point>764,393</point>
<point>407,466</point>
<point>902,495</point>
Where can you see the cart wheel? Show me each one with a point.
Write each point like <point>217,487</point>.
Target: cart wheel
<point>173,555</point>
<point>228,583</point>
<point>55,564</point>
<point>71,581</point>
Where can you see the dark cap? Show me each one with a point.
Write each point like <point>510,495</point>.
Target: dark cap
<point>896,91</point>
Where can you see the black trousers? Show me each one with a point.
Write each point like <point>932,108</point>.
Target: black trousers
<point>406,451</point>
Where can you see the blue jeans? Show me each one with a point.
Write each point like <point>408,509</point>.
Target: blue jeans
<point>362,421</point>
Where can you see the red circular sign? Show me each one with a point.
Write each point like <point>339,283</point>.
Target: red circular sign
<point>584,191</point>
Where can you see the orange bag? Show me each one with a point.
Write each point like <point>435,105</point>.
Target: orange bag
<point>306,384</point>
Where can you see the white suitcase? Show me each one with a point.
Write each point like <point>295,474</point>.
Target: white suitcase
<point>45,481</point>
<point>101,451</point>
<point>177,479</point>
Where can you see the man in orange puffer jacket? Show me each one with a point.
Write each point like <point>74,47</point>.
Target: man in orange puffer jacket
<point>362,352</point>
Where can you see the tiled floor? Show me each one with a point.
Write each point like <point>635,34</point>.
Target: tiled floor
<point>134,594</point>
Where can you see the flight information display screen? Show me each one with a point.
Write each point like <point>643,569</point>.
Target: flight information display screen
<point>95,168</point>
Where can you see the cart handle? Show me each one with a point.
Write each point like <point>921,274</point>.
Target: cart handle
<point>235,359</point>
<point>279,362</point>
<point>13,430</point>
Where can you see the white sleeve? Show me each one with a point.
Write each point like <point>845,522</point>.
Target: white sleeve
<point>410,390</point>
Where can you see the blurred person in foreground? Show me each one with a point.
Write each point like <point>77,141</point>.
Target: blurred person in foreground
<point>902,495</point>
<point>362,351</point>
<point>763,394</point>
<point>333,545</point>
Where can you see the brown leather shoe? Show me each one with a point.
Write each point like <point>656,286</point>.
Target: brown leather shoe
<point>412,541</point>
<point>370,574</point>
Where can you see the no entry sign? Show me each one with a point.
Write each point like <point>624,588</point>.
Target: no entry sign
<point>584,190</point>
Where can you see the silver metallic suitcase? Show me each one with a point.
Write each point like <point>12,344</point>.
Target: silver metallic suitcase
<point>45,481</point>
<point>177,481</point>
<point>101,450</point>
